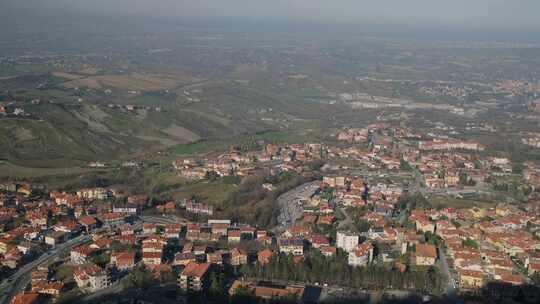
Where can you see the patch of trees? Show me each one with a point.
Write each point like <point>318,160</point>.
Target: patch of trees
<point>335,271</point>
<point>140,277</point>
<point>413,201</point>
<point>251,203</point>
<point>470,243</point>
<point>465,180</point>
<point>404,165</point>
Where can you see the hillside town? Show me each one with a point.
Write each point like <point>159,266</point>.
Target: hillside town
<point>366,207</point>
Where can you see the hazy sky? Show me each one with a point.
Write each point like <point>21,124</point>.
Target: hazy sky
<point>490,14</point>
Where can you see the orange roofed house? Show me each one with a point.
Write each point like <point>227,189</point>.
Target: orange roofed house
<point>264,256</point>
<point>91,278</point>
<point>425,255</point>
<point>81,254</point>
<point>470,278</point>
<point>194,277</point>
<point>123,260</point>
<point>362,255</point>
<point>26,298</point>
<point>268,290</point>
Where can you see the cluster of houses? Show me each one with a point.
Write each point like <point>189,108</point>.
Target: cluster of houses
<point>30,228</point>
<point>278,158</point>
<point>114,231</point>
<point>458,169</point>
<point>532,139</point>
<point>481,245</point>
<point>485,244</point>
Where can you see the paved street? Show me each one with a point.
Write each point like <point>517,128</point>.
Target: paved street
<point>290,209</point>
<point>19,280</point>
<point>449,279</point>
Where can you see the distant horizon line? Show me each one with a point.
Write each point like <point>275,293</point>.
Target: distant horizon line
<point>272,24</point>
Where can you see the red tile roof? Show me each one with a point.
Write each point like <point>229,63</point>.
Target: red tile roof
<point>195,269</point>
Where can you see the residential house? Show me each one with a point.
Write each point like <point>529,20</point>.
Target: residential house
<point>533,268</point>
<point>425,255</point>
<point>26,298</point>
<point>172,231</point>
<point>220,228</point>
<point>54,238</point>
<point>81,254</point>
<point>318,241</point>
<point>112,219</point>
<point>88,222</point>
<point>123,260</point>
<point>71,228</point>
<point>362,255</point>
<point>214,258</point>
<point>184,258</point>
<point>234,236</point>
<point>91,278</point>
<point>126,209</point>
<point>238,257</point>
<point>149,228</point>
<point>194,277</point>
<point>28,248</point>
<point>268,290</point>
<point>52,289</point>
<point>12,258</point>
<point>509,278</point>
<point>328,251</point>
<point>264,256</point>
<point>425,225</point>
<point>294,246</point>
<point>151,258</point>
<point>93,193</point>
<point>347,241</point>
<point>471,279</point>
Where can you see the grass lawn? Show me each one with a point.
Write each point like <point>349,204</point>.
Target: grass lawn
<point>8,170</point>
<point>214,193</point>
<point>205,146</point>
<point>198,147</point>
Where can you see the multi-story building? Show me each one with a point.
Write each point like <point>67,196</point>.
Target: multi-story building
<point>471,279</point>
<point>425,255</point>
<point>238,257</point>
<point>292,246</point>
<point>194,277</point>
<point>81,254</point>
<point>123,260</point>
<point>347,241</point>
<point>93,193</point>
<point>362,255</point>
<point>91,278</point>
